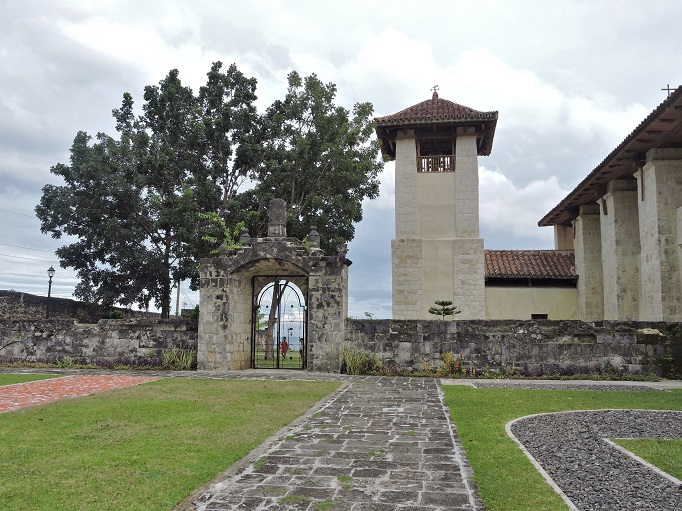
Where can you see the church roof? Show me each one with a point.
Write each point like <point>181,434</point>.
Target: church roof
<point>662,128</point>
<point>530,264</point>
<point>438,112</point>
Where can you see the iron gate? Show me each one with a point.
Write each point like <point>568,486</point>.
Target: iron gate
<point>279,326</point>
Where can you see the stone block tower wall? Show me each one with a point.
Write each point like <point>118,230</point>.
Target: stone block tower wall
<point>437,253</point>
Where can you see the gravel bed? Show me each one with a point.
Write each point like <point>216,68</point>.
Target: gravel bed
<point>562,386</point>
<point>571,448</point>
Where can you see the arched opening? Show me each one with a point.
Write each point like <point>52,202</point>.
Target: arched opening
<point>279,323</point>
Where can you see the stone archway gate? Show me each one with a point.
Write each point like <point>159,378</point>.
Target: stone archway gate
<point>226,303</point>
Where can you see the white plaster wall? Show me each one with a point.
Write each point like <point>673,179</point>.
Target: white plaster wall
<point>588,264</point>
<point>436,204</point>
<point>438,276</point>
<point>505,302</point>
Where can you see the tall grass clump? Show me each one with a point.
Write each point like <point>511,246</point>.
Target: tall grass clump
<point>358,362</point>
<point>180,359</point>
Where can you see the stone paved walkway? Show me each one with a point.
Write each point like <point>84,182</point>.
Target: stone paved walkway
<point>38,392</point>
<point>383,444</point>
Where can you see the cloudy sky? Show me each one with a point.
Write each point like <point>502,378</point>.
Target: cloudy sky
<point>570,80</point>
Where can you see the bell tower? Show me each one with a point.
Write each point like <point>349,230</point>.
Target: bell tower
<point>437,253</point>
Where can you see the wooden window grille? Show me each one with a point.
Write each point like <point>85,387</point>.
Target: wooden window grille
<point>435,155</point>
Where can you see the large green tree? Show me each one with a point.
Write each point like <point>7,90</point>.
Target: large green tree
<point>132,202</point>
<point>320,158</point>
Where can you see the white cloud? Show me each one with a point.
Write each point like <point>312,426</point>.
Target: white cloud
<point>514,210</point>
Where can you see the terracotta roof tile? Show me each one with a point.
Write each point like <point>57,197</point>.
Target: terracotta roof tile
<point>439,113</point>
<point>530,264</point>
<point>435,110</point>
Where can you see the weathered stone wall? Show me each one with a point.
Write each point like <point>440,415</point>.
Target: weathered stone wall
<point>107,342</point>
<point>16,305</point>
<point>530,347</point>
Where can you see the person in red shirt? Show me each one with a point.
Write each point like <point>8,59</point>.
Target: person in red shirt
<point>284,347</point>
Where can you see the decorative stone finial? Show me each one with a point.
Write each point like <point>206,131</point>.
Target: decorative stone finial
<point>314,237</point>
<point>277,219</point>
<point>245,238</point>
<point>435,92</point>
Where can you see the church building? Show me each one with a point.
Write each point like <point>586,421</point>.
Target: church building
<point>624,221</point>
<point>438,253</point>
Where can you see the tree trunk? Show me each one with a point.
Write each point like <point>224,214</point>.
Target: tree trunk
<point>272,318</point>
<point>165,304</point>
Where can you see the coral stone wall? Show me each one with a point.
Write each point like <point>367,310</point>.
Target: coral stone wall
<point>527,347</point>
<point>16,305</point>
<point>107,342</point>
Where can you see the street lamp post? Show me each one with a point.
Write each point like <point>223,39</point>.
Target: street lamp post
<point>50,273</point>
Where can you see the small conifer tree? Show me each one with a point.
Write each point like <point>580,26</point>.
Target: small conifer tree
<point>444,308</point>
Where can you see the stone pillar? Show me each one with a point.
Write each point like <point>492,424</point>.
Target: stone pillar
<point>466,184</point>
<point>327,311</point>
<point>660,194</point>
<point>407,284</point>
<point>563,237</point>
<point>588,264</point>
<point>679,237</point>
<point>225,319</point>
<point>469,282</point>
<point>406,218</point>
<point>620,249</point>
<point>277,219</point>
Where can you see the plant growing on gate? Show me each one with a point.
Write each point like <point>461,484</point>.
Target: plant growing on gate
<point>443,308</point>
<point>230,236</point>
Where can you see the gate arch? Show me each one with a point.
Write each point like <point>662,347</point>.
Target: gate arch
<point>231,286</point>
<point>279,324</point>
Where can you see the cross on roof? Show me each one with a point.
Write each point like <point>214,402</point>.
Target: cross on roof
<point>434,88</point>
<point>670,91</point>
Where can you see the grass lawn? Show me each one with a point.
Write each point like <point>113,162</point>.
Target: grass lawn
<point>507,481</point>
<point>665,454</point>
<point>140,448</point>
<point>9,379</point>
<point>291,361</point>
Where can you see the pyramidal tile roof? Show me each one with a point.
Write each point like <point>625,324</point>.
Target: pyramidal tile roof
<point>436,113</point>
<point>435,110</point>
<point>530,264</point>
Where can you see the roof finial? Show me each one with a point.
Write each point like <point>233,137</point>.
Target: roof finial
<point>670,91</point>
<point>435,92</point>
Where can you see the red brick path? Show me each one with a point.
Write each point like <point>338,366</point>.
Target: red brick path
<point>44,391</point>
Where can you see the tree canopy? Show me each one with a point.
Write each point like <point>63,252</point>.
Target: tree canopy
<point>134,202</point>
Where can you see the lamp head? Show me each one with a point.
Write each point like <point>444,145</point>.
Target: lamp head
<point>50,272</point>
